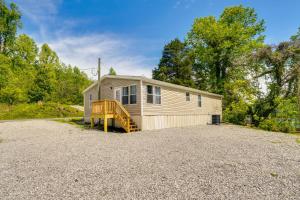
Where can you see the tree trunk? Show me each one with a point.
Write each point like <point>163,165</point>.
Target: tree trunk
<point>218,77</point>
<point>1,44</point>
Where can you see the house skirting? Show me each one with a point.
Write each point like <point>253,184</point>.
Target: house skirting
<point>151,122</point>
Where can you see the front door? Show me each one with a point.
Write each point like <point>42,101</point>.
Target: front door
<point>117,94</point>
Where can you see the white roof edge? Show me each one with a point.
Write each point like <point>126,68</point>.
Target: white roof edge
<point>90,87</point>
<point>188,89</point>
<point>111,76</point>
<point>149,80</point>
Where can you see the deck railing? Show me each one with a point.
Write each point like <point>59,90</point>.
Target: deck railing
<point>111,109</point>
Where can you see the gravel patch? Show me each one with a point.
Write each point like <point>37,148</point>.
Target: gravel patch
<point>42,159</point>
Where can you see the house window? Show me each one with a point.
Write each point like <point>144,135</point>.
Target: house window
<point>125,96</point>
<point>133,94</point>
<point>157,96</point>
<point>153,94</point>
<point>187,96</point>
<point>149,94</point>
<point>199,101</point>
<point>91,98</point>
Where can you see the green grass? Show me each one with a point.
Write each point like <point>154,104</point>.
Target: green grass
<point>80,124</point>
<point>77,122</point>
<point>37,111</point>
<point>298,140</point>
<point>274,174</point>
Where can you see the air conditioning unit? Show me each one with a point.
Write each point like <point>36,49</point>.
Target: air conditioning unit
<point>216,119</point>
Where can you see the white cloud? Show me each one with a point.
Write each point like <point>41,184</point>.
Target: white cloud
<point>183,3</point>
<point>42,13</point>
<point>38,10</point>
<point>83,51</point>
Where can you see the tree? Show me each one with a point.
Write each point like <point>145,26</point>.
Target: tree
<point>5,71</point>
<point>296,39</point>
<point>30,75</point>
<point>175,66</point>
<point>45,80</point>
<point>112,71</point>
<point>70,84</point>
<point>10,95</point>
<point>241,96</point>
<point>10,21</point>
<point>23,55</point>
<point>219,44</point>
<point>48,57</point>
<point>24,51</point>
<point>281,68</point>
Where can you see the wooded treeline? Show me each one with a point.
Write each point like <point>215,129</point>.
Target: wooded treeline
<point>228,56</point>
<point>30,74</point>
<point>225,55</point>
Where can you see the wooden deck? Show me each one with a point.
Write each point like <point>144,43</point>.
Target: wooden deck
<point>112,109</point>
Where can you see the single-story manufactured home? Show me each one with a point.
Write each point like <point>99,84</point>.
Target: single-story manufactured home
<point>140,103</point>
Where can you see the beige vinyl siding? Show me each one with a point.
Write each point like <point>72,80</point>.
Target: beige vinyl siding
<point>174,110</point>
<point>173,102</point>
<point>87,108</point>
<point>107,92</point>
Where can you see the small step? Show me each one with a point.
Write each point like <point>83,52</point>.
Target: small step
<point>133,126</point>
<point>134,129</point>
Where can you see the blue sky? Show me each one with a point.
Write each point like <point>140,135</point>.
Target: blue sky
<point>129,35</point>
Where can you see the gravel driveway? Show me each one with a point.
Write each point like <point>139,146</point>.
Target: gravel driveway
<point>42,159</point>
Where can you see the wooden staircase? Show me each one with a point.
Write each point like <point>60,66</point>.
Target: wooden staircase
<point>112,109</point>
<point>133,126</point>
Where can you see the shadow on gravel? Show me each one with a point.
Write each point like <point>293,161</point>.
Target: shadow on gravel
<point>86,126</point>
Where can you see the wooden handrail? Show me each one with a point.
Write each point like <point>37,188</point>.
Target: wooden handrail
<point>111,107</point>
<point>122,107</point>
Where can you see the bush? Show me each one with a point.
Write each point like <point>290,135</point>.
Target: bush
<point>32,111</point>
<point>285,119</point>
<point>236,113</point>
<point>273,124</point>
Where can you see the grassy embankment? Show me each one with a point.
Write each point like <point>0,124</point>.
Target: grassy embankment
<point>37,111</point>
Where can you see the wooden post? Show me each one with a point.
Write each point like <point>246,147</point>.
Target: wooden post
<point>105,124</point>
<point>128,125</point>
<point>92,122</point>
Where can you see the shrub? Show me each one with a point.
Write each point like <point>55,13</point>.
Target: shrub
<point>273,124</point>
<point>285,119</point>
<point>236,113</point>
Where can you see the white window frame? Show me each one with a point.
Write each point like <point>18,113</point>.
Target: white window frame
<point>187,96</point>
<point>129,94</point>
<point>153,94</point>
<point>125,95</point>
<point>132,95</point>
<point>149,94</point>
<point>199,101</point>
<point>115,95</point>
